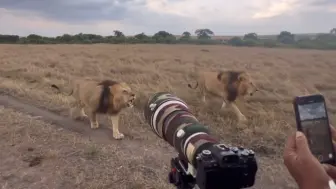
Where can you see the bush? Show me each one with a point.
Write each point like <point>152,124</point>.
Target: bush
<point>321,42</point>
<point>270,43</point>
<point>285,40</point>
<point>250,42</point>
<point>236,41</point>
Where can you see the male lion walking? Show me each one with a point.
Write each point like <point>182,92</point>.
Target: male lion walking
<point>228,85</point>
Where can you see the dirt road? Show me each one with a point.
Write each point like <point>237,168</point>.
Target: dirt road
<point>103,135</point>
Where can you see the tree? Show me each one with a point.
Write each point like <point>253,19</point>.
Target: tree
<point>204,33</point>
<point>66,38</point>
<point>35,39</point>
<point>185,36</point>
<point>251,36</point>
<point>323,41</point>
<point>9,38</point>
<point>141,36</point>
<point>164,37</point>
<point>118,33</point>
<point>162,34</point>
<point>286,37</point>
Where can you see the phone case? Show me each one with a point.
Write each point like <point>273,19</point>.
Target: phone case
<point>311,98</point>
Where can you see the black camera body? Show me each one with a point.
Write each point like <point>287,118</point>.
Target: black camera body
<point>218,167</point>
<point>236,164</point>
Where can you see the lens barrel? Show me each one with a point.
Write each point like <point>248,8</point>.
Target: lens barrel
<point>170,119</point>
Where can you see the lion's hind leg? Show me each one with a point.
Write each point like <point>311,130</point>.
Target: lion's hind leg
<point>82,112</point>
<point>93,119</point>
<point>73,109</point>
<point>77,111</point>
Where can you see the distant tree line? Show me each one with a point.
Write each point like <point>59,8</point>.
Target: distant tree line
<point>203,36</point>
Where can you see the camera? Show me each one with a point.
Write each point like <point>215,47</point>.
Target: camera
<point>202,161</point>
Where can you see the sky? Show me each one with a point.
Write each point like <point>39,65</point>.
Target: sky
<point>223,17</point>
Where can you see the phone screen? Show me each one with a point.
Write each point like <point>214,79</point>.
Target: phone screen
<point>315,125</point>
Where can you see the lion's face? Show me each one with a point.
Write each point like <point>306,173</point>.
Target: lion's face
<point>252,88</point>
<point>246,85</point>
<point>126,96</point>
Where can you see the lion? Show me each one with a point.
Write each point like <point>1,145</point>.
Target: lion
<point>100,97</point>
<point>228,85</point>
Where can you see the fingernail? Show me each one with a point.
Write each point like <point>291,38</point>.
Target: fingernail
<point>298,134</point>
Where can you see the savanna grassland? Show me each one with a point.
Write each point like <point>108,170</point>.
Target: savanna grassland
<point>36,154</point>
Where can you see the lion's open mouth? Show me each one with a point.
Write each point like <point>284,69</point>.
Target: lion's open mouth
<point>130,103</point>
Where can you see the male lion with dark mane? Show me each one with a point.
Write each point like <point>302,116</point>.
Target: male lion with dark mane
<point>229,85</point>
<point>104,97</point>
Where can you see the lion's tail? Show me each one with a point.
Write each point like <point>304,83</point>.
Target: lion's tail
<point>59,90</point>
<point>189,85</point>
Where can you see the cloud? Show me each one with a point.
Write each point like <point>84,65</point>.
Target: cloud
<point>24,23</point>
<point>275,9</point>
<point>70,11</point>
<point>134,16</point>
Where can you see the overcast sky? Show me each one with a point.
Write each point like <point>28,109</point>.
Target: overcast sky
<point>223,17</point>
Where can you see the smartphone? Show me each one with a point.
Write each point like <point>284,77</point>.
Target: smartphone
<point>312,119</point>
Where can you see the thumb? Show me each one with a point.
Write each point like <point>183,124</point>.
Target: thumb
<point>302,146</point>
<point>331,170</point>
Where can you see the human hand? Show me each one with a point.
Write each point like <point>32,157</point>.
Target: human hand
<point>307,171</point>
<point>330,169</point>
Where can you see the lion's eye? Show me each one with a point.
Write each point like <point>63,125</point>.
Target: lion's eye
<point>124,91</point>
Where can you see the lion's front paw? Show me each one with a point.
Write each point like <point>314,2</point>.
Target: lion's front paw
<point>94,125</point>
<point>118,136</point>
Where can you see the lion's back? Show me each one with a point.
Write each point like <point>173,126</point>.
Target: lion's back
<point>211,83</point>
<point>86,92</point>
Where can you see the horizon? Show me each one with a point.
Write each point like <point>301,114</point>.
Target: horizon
<point>176,35</point>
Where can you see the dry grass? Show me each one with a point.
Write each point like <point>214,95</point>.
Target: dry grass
<point>75,162</point>
<point>38,156</point>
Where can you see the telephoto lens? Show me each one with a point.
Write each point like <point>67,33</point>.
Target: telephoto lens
<point>170,119</point>
<point>213,165</point>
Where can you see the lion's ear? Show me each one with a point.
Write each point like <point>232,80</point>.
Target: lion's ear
<point>220,76</point>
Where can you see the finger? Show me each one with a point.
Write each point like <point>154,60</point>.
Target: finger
<point>290,148</point>
<point>333,132</point>
<point>302,147</point>
<point>331,170</point>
